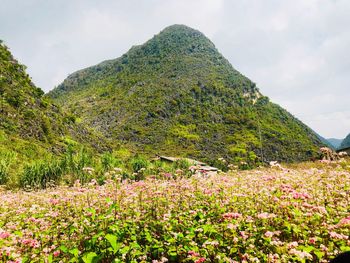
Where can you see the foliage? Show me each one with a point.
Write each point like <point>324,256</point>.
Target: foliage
<point>109,161</point>
<point>30,124</point>
<point>293,214</point>
<point>41,174</point>
<point>5,162</point>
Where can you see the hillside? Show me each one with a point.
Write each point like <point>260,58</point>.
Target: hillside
<point>335,142</point>
<point>346,142</point>
<point>325,141</point>
<point>30,124</point>
<point>176,94</point>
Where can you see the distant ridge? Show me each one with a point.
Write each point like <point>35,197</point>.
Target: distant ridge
<point>335,142</point>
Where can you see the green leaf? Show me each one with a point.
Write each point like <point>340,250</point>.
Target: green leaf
<point>124,250</point>
<point>89,257</point>
<point>112,239</point>
<point>308,249</point>
<point>319,254</point>
<point>63,249</point>
<point>74,252</point>
<point>344,248</point>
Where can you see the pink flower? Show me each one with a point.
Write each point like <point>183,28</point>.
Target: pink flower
<point>54,201</point>
<point>200,260</point>
<point>292,245</point>
<point>231,215</point>
<point>344,221</point>
<point>338,236</point>
<point>312,240</point>
<point>56,253</point>
<point>268,234</point>
<point>193,253</point>
<point>266,215</point>
<point>4,235</point>
<point>244,235</point>
<point>168,175</point>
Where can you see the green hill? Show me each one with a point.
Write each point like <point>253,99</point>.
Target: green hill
<point>31,126</point>
<point>176,94</point>
<point>345,143</point>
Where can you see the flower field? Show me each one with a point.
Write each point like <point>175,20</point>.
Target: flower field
<point>299,214</point>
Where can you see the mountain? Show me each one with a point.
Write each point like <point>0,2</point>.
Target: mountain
<point>30,124</point>
<point>325,141</point>
<point>335,142</point>
<point>176,94</point>
<point>345,143</point>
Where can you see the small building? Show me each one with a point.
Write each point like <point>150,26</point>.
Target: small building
<point>197,165</point>
<point>174,159</point>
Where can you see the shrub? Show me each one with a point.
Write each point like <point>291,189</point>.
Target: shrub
<point>138,162</point>
<point>108,161</point>
<point>182,164</point>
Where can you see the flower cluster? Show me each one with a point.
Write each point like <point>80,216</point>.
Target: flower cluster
<point>297,214</point>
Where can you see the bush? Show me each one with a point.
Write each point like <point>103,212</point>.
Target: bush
<point>108,161</point>
<point>138,162</point>
<point>182,164</point>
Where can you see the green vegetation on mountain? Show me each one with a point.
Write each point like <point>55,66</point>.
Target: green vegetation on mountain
<point>325,141</point>
<point>176,94</point>
<point>346,142</point>
<point>31,126</point>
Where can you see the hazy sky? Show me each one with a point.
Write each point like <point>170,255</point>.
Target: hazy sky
<point>296,51</point>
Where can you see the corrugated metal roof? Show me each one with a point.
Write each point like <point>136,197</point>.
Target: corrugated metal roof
<point>174,159</point>
<point>208,168</point>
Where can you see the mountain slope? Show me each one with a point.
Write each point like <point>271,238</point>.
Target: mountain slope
<point>30,125</point>
<point>325,141</point>
<point>176,94</point>
<point>335,142</point>
<point>345,143</point>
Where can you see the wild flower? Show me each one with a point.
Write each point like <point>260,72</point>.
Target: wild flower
<point>229,216</point>
<point>266,215</point>
<point>344,222</point>
<point>300,254</point>
<point>268,234</point>
<point>338,236</point>
<point>200,260</point>
<point>193,253</point>
<point>312,240</point>
<point>4,235</point>
<point>209,216</point>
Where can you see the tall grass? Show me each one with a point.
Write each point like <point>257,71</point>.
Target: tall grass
<point>109,161</point>
<point>5,162</point>
<point>44,173</point>
<point>41,174</point>
<point>139,162</point>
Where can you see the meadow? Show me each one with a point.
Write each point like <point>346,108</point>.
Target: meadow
<point>299,213</point>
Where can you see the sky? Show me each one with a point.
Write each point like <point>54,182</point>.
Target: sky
<point>296,51</point>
